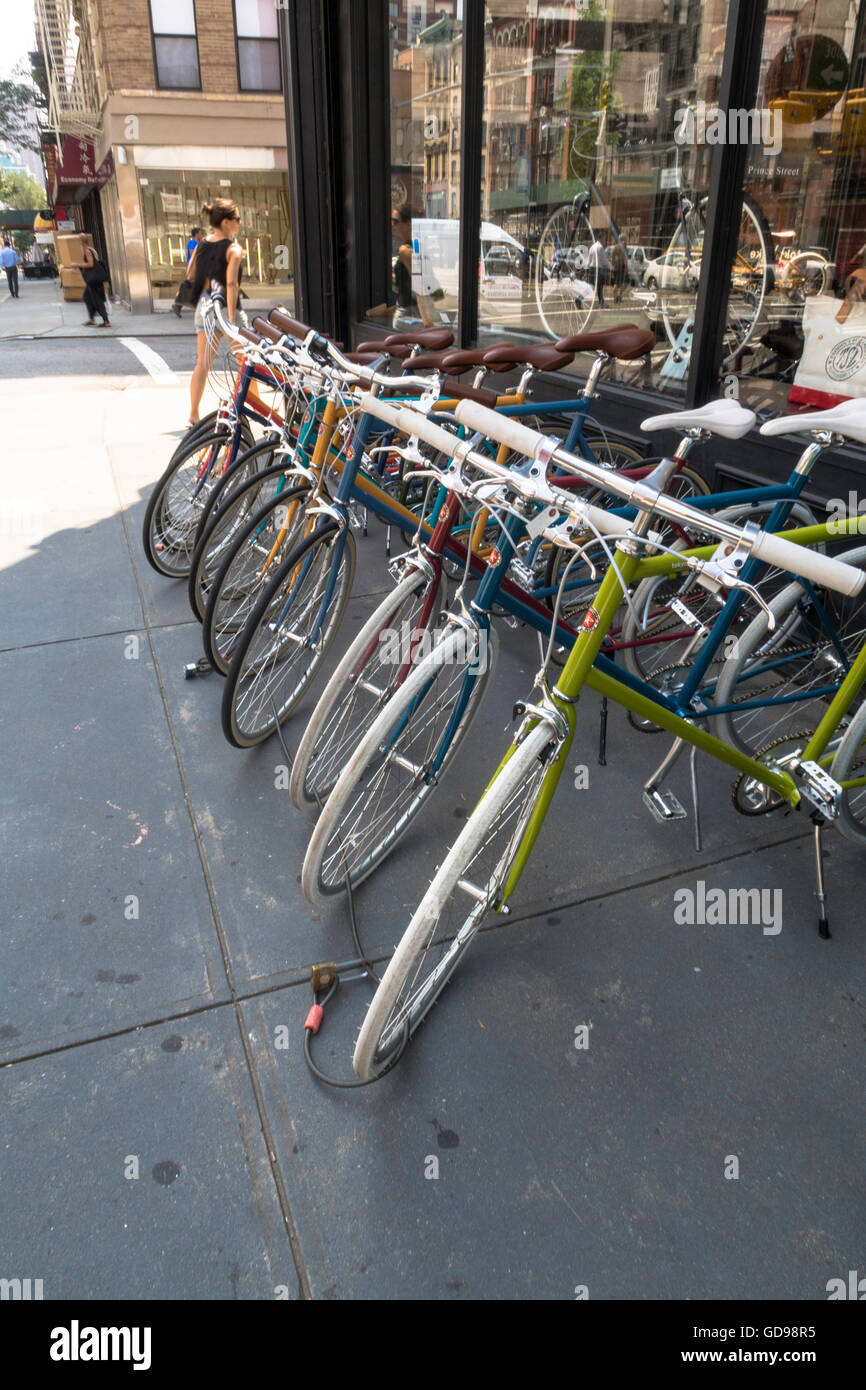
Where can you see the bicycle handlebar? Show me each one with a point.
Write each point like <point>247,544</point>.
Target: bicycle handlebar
<point>319,343</point>
<point>771,549</point>
<point>407,421</point>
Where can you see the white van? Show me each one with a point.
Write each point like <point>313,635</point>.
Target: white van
<point>436,255</point>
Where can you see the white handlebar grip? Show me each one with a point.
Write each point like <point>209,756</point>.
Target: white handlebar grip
<point>809,564</point>
<point>383,410</point>
<point>501,427</point>
<point>413,422</point>
<point>605,523</point>
<point>410,422</point>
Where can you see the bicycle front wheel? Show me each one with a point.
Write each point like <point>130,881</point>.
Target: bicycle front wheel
<point>849,767</point>
<point>176,503</point>
<point>247,567</point>
<point>361,685</point>
<point>398,764</point>
<point>466,888</point>
<point>223,524</point>
<point>289,632</point>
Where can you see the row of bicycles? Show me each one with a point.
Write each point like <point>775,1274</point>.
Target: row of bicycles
<point>733,621</point>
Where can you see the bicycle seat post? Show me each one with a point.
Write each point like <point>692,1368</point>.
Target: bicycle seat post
<point>595,371</point>
<point>689,438</point>
<point>523,384</point>
<point>821,440</point>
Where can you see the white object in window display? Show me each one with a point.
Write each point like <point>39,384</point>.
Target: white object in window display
<point>832,368</point>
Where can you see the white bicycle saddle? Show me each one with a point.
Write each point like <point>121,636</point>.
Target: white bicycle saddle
<point>724,417</point>
<point>849,419</point>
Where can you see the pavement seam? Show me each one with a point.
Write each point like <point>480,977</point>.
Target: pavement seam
<point>382,954</point>
<point>292,1234</point>
<point>94,636</point>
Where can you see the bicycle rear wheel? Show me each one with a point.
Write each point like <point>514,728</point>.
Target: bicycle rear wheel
<point>465,890</point>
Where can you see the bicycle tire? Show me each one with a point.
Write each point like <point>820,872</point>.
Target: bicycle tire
<point>396,765</point>
<point>341,717</point>
<point>850,761</point>
<point>247,568</point>
<point>220,526</point>
<point>171,515</point>
<point>517,785</point>
<point>750,730</point>
<point>254,459</point>
<point>210,424</point>
<point>249,664</point>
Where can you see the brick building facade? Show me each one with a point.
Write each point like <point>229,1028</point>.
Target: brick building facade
<point>188,106</point>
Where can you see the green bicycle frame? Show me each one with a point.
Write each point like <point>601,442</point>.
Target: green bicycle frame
<point>580,671</point>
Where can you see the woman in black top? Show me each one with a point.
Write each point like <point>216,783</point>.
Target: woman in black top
<point>215,264</point>
<point>94,288</point>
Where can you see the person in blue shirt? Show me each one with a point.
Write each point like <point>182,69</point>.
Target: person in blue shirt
<point>9,262</point>
<point>195,237</point>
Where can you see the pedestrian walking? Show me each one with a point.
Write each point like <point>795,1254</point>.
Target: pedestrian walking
<point>216,266</point>
<point>598,261</point>
<point>183,294</point>
<point>618,269</point>
<point>9,262</point>
<point>94,272</point>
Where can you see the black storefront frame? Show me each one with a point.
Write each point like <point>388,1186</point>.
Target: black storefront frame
<point>335,60</point>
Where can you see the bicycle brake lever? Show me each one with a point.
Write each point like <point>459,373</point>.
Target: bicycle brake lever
<point>753,592</point>
<point>713,575</point>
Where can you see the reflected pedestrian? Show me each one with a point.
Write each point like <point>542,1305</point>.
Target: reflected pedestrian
<point>598,262</point>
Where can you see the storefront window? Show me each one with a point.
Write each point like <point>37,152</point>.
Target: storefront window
<point>809,188</point>
<point>592,204</point>
<point>426,49</point>
<point>172,202</point>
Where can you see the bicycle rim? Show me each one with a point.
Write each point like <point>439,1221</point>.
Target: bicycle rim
<point>392,773</point>
<point>464,891</point>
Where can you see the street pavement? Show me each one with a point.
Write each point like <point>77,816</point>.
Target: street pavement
<point>604,1100</point>
<point>40,311</point>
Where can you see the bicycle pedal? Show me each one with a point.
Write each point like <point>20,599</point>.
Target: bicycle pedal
<point>664,806</point>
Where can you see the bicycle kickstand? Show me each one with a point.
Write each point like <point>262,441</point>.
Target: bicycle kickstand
<point>823,924</point>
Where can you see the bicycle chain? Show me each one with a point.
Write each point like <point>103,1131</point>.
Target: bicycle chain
<point>650,728</point>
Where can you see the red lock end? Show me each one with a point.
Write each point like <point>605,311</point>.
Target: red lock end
<point>313,1021</point>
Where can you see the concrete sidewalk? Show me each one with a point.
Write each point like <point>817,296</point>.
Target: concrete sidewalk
<point>161,1135</point>
<point>41,312</point>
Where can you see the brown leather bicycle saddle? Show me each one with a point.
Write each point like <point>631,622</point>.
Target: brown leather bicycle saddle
<point>401,344</point>
<point>475,357</point>
<point>625,341</point>
<point>546,357</point>
<point>427,360</point>
<point>432,338</point>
